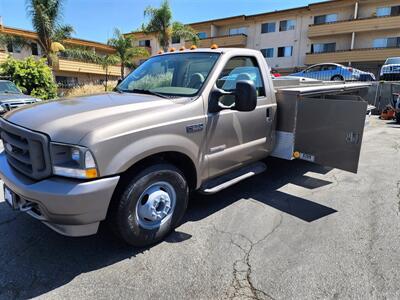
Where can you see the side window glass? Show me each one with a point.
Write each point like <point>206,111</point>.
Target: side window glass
<point>240,68</point>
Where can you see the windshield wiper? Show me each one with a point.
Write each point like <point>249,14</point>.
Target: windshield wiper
<point>146,92</point>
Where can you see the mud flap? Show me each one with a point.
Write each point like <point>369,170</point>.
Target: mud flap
<point>329,131</point>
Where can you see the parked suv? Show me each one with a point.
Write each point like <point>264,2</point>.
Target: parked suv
<point>335,72</point>
<point>391,69</point>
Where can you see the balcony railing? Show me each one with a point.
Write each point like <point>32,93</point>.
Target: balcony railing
<point>234,40</point>
<point>70,65</point>
<point>354,55</point>
<point>354,25</point>
<point>3,57</point>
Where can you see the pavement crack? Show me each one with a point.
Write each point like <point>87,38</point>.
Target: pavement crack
<point>242,285</point>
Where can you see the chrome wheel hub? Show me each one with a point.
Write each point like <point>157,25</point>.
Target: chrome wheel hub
<point>155,205</point>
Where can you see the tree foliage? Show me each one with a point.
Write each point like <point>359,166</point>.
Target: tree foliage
<point>33,77</point>
<point>46,18</point>
<point>125,49</point>
<point>7,39</point>
<point>160,23</point>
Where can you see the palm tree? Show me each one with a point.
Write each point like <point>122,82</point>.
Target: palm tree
<point>125,51</point>
<point>106,61</point>
<point>160,23</point>
<point>46,20</point>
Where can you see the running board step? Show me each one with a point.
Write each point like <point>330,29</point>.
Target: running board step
<point>220,183</point>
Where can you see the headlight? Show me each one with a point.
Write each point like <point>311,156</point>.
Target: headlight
<point>73,161</point>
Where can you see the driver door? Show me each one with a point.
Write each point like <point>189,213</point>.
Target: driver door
<point>235,138</point>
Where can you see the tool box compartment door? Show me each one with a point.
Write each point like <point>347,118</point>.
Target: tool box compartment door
<point>329,131</point>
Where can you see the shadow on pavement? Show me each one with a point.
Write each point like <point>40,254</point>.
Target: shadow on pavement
<point>34,260</point>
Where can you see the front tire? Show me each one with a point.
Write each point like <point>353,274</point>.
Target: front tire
<point>151,205</point>
<point>337,78</point>
<point>398,118</point>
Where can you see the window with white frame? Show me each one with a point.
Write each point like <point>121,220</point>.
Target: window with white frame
<point>235,31</point>
<point>285,51</point>
<point>268,52</point>
<point>287,25</point>
<point>268,27</point>
<point>323,19</point>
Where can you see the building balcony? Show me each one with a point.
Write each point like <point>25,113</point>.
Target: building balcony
<point>68,65</point>
<point>355,55</point>
<point>354,25</point>
<point>237,40</point>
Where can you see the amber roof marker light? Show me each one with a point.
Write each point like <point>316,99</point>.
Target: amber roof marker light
<point>193,47</point>
<point>214,46</point>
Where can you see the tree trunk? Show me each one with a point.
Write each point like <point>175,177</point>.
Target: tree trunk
<point>122,70</point>
<point>106,79</point>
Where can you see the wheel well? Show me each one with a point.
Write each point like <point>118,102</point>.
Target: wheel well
<point>179,160</point>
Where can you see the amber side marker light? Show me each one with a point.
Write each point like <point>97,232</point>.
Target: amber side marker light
<point>193,47</point>
<point>296,154</point>
<point>214,46</point>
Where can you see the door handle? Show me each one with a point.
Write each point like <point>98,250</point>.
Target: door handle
<point>268,115</point>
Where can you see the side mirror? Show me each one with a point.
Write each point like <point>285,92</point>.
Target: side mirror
<point>246,96</point>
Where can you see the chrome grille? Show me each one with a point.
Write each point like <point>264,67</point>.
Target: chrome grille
<point>27,151</point>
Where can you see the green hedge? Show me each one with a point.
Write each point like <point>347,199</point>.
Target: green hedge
<point>33,77</point>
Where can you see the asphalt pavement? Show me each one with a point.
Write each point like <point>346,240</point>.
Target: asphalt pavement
<point>297,231</point>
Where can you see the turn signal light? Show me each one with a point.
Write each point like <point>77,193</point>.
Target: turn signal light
<point>296,154</point>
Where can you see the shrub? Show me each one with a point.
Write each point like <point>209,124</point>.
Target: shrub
<point>33,77</point>
<point>89,89</point>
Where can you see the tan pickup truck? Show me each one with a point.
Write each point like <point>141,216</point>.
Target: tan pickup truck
<point>183,121</point>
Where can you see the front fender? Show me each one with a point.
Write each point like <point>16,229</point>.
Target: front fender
<point>138,150</point>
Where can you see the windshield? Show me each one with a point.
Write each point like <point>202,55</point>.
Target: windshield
<point>393,61</point>
<point>7,87</point>
<point>180,74</point>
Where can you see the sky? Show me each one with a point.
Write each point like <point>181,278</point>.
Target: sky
<point>96,19</point>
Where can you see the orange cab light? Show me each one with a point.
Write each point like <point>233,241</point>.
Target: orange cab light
<point>182,48</point>
<point>214,46</point>
<point>160,52</point>
<point>193,47</point>
<point>172,49</point>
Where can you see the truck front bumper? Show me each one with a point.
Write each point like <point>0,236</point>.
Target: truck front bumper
<point>68,206</point>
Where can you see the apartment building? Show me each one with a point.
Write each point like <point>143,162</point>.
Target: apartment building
<point>360,33</point>
<point>67,71</point>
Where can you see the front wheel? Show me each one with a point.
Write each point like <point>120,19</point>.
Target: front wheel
<point>151,205</point>
<point>337,78</point>
<point>398,118</point>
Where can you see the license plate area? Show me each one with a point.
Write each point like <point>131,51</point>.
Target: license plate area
<point>11,198</point>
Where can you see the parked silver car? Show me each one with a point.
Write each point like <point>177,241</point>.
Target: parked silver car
<point>11,97</point>
<point>391,69</point>
<point>335,72</point>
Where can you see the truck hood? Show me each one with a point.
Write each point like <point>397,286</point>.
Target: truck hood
<point>69,120</point>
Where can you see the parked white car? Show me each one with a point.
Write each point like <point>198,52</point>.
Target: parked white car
<point>391,69</point>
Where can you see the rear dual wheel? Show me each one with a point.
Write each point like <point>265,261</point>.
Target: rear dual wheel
<point>151,205</point>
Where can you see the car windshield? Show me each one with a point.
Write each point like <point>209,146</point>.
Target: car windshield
<point>7,87</point>
<point>393,61</point>
<point>171,75</point>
